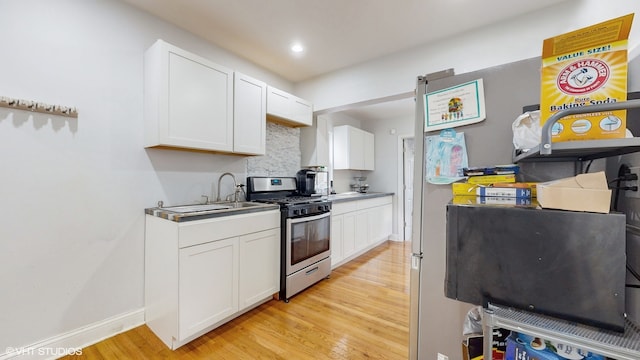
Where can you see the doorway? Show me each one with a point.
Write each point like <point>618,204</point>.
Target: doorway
<point>406,185</point>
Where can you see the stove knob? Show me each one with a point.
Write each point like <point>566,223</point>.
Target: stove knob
<point>326,208</point>
<point>321,208</point>
<point>296,212</point>
<point>303,211</point>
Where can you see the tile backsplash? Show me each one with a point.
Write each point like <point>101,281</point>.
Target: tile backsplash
<point>282,156</point>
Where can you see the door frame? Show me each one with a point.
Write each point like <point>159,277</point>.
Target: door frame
<point>400,191</point>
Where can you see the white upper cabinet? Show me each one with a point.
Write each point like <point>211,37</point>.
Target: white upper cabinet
<point>369,150</point>
<point>188,100</point>
<point>286,108</point>
<point>193,103</point>
<point>250,114</point>
<point>353,148</point>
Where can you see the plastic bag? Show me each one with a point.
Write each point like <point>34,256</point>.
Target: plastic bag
<point>473,321</point>
<point>526,130</point>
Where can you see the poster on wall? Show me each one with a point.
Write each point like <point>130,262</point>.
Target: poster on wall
<point>446,156</point>
<point>455,106</point>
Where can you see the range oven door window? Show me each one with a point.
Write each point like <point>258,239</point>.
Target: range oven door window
<point>307,240</point>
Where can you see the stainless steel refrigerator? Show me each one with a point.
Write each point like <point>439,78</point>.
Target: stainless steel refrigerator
<point>436,321</point>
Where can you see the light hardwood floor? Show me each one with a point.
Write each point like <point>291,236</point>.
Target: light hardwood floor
<point>360,312</point>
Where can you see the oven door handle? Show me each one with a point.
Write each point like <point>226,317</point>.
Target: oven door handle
<point>308,218</point>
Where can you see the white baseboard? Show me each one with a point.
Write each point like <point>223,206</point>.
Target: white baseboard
<point>73,341</point>
<point>395,237</point>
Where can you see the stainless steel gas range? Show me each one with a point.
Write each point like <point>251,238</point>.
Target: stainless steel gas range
<point>305,232</point>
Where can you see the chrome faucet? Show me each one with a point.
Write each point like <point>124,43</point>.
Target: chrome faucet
<point>235,186</point>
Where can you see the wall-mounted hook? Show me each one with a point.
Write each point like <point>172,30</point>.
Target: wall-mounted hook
<point>38,107</point>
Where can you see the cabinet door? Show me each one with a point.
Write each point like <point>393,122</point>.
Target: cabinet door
<point>278,102</point>
<point>353,148</point>
<point>356,149</point>
<point>380,218</point>
<point>337,230</point>
<point>249,114</point>
<point>348,234</point>
<point>199,103</point>
<point>259,266</point>
<point>341,147</point>
<point>301,111</point>
<point>208,285</point>
<point>362,229</point>
<point>289,109</point>
<point>368,151</point>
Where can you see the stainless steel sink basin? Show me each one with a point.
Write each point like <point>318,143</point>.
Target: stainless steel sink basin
<point>242,204</point>
<point>347,194</point>
<point>197,208</point>
<point>181,213</point>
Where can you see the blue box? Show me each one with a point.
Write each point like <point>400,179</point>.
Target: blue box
<point>525,347</point>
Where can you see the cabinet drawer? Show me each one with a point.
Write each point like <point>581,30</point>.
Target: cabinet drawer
<point>369,203</point>
<point>203,231</point>
<point>344,207</point>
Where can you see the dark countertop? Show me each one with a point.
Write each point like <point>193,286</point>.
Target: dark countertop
<point>356,196</point>
<point>249,207</point>
<point>166,213</point>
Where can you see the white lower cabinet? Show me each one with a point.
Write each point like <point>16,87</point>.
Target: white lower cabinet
<point>362,229</point>
<point>348,235</point>
<point>259,266</point>
<point>337,225</point>
<point>380,222</point>
<point>358,226</point>
<point>200,274</point>
<point>205,299</point>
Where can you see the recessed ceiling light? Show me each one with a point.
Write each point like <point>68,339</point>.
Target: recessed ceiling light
<point>297,48</point>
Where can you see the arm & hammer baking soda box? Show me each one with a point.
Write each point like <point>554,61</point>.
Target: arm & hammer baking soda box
<point>582,68</point>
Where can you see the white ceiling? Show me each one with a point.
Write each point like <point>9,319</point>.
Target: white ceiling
<point>335,33</point>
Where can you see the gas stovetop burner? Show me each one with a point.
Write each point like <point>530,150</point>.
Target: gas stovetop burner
<point>301,199</point>
<point>290,200</point>
<point>276,191</point>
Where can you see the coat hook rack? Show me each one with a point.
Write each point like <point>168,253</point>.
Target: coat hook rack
<point>38,107</point>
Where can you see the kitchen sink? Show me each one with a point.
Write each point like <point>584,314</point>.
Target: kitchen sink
<point>347,194</point>
<point>204,211</point>
<point>197,208</point>
<point>242,204</point>
<point>187,209</point>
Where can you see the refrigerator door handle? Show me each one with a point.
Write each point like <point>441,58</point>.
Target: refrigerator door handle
<point>415,260</point>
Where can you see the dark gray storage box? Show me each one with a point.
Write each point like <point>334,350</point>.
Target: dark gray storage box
<point>566,264</point>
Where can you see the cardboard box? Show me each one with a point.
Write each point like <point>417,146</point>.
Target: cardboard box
<point>490,179</point>
<point>470,189</point>
<point>473,345</point>
<point>584,192</point>
<point>582,68</point>
<point>503,191</point>
<point>493,200</point>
